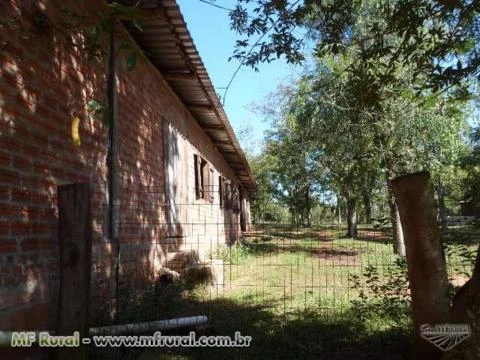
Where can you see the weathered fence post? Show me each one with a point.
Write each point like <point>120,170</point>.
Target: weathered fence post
<point>425,259</point>
<point>74,235</point>
<point>466,310</point>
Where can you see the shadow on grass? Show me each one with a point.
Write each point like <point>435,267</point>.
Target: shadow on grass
<point>303,335</point>
<point>376,235</point>
<point>322,251</point>
<point>326,233</point>
<point>462,235</point>
<point>321,233</point>
<point>322,334</point>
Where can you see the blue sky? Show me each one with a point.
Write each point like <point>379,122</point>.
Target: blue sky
<point>209,28</point>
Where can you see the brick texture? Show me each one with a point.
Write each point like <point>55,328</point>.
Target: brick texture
<point>44,84</point>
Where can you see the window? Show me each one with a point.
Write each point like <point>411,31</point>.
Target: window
<point>236,198</point>
<point>204,179</point>
<point>228,195</point>
<point>211,183</point>
<point>200,169</point>
<point>221,191</point>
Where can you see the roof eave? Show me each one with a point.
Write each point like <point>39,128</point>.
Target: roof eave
<point>167,44</point>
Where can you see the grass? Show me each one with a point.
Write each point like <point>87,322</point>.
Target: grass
<point>305,294</point>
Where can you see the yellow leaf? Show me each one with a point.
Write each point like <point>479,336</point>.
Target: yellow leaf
<point>75,133</point>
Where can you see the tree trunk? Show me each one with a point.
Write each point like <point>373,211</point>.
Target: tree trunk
<point>322,215</point>
<point>397,231</point>
<point>466,310</point>
<point>367,206</point>
<point>307,206</point>
<point>442,209</point>
<point>352,218</point>
<point>427,273</point>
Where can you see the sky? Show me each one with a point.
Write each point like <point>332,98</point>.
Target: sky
<point>210,29</point>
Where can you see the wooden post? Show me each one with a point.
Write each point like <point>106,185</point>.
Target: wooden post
<point>74,235</point>
<point>466,310</point>
<point>427,272</point>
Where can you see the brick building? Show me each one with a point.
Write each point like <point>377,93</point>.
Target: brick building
<point>181,183</point>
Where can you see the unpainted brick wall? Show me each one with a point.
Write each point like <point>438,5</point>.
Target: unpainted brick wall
<point>44,85</point>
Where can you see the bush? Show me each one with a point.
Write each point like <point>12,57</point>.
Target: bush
<point>235,254</point>
<point>384,300</point>
<point>461,258</point>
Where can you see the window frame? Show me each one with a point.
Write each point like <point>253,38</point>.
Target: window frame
<point>199,167</point>
<point>204,179</point>
<point>221,191</point>
<point>236,206</point>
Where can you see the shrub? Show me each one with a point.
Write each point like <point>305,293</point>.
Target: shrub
<point>234,254</point>
<point>385,299</point>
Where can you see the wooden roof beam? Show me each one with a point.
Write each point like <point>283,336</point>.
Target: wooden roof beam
<point>200,108</point>
<point>180,76</point>
<point>213,127</point>
<point>222,142</point>
<point>232,163</point>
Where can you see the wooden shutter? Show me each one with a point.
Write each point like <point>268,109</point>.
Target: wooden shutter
<point>228,195</point>
<point>198,176</point>
<point>221,179</point>
<point>206,180</point>
<point>212,184</point>
<point>236,198</point>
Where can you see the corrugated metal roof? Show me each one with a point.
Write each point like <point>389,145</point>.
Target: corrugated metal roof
<point>167,43</point>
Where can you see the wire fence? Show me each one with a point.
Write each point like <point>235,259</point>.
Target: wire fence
<point>307,291</point>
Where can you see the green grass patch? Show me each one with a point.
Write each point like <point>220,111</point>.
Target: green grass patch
<point>311,294</point>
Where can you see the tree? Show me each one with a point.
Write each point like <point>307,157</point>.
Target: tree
<point>293,168</point>
<point>338,137</point>
<point>399,56</point>
<point>471,164</point>
<point>264,196</point>
<point>368,185</point>
<point>426,137</point>
<point>440,38</point>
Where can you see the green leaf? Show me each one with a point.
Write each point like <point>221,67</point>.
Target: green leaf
<point>131,61</point>
<point>99,110</point>
<point>94,106</point>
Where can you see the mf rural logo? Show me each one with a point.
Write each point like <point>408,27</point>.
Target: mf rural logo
<point>445,336</point>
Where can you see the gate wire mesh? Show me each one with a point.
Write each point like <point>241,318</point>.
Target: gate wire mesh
<point>305,291</point>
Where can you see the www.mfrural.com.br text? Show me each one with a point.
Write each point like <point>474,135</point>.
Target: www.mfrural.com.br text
<point>45,339</point>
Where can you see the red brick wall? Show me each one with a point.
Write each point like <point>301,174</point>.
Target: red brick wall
<point>43,86</point>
